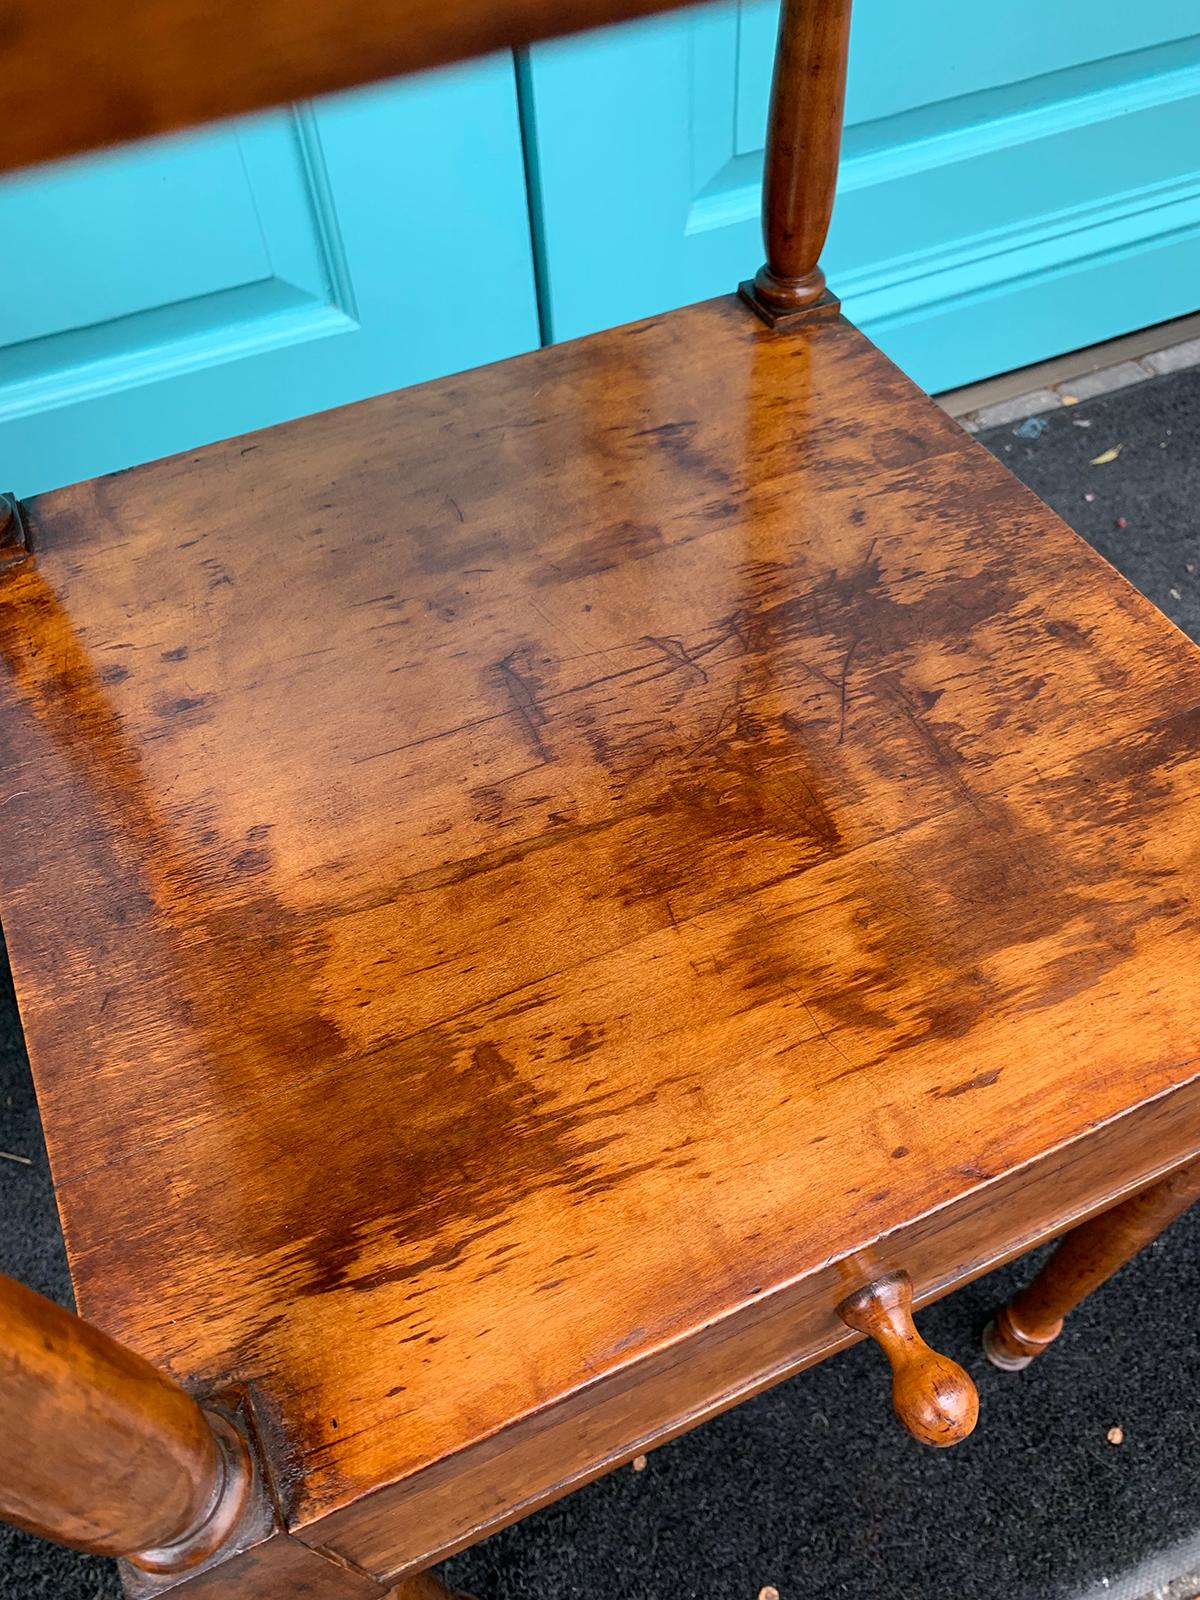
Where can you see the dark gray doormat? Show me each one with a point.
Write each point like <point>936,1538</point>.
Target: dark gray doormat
<point>812,1489</point>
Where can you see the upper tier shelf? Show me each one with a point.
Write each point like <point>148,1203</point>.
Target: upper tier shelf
<point>77,75</point>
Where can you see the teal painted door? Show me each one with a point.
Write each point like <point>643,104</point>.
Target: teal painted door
<point>1018,180</point>
<point>192,288</point>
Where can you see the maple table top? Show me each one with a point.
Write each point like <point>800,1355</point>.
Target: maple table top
<point>500,876</point>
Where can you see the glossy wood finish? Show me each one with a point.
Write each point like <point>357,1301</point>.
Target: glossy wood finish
<point>1086,1258</point>
<point>804,137</point>
<point>564,874</point>
<point>610,1421</point>
<point>932,1395</point>
<point>99,1451</point>
<point>73,82</point>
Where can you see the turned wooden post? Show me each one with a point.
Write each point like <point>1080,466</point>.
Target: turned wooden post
<point>1087,1256</point>
<point>932,1395</point>
<point>100,1451</point>
<point>804,135</point>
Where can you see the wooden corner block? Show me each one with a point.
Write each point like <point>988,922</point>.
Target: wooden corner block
<point>825,309</point>
<point>14,536</point>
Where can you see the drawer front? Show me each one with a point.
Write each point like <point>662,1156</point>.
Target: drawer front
<point>457,1502</point>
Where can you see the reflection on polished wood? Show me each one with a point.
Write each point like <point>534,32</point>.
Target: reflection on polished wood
<point>513,885</point>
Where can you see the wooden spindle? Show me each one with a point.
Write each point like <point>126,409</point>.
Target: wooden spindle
<point>1087,1256</point>
<point>100,1451</point>
<point>932,1395</point>
<point>804,135</point>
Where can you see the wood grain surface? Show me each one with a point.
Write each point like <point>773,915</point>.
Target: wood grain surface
<point>74,81</point>
<point>510,882</point>
<point>632,1409</point>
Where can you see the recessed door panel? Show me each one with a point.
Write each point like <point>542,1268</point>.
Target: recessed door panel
<point>1015,182</point>
<point>160,296</point>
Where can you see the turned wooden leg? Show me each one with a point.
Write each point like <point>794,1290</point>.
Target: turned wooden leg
<point>100,1451</point>
<point>1086,1257</point>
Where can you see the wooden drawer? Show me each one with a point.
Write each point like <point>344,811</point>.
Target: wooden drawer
<point>411,1523</point>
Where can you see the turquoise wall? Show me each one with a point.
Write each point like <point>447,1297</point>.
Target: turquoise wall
<point>1017,181</point>
<point>197,287</point>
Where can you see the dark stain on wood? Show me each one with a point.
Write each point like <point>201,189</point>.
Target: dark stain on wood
<point>616,891</point>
